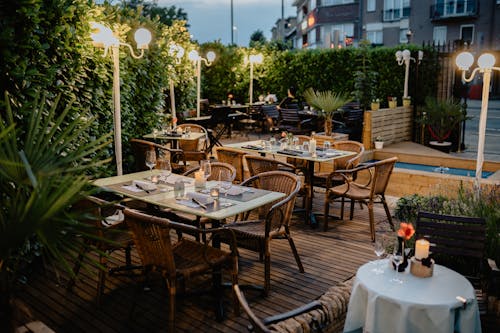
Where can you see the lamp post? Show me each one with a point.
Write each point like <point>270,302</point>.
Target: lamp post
<point>253,59</point>
<point>404,57</point>
<point>486,63</point>
<point>177,52</point>
<point>197,59</point>
<point>103,37</point>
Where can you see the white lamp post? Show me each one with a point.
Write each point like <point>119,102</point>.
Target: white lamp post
<point>177,52</point>
<point>103,37</point>
<point>253,59</point>
<point>197,59</point>
<point>405,57</point>
<point>486,63</point>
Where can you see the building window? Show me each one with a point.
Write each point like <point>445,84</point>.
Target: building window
<point>334,2</point>
<point>375,37</point>
<point>467,33</point>
<point>396,9</point>
<point>342,34</point>
<point>455,7</point>
<point>370,5</point>
<point>439,35</point>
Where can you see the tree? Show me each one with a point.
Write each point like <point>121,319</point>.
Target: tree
<point>166,15</point>
<point>257,38</point>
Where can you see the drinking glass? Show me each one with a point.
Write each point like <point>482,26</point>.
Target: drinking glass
<point>166,169</point>
<point>151,160</point>
<point>188,131</point>
<point>326,145</point>
<point>206,168</point>
<point>379,249</point>
<point>305,146</point>
<point>272,141</point>
<point>397,259</point>
<point>295,142</point>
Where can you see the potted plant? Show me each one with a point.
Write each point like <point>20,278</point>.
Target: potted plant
<point>375,105</point>
<point>327,103</point>
<point>406,101</point>
<point>392,101</point>
<point>379,142</point>
<point>441,117</point>
<point>45,157</point>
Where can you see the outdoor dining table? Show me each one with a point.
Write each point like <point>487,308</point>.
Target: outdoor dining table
<point>243,199</point>
<point>320,156</point>
<point>174,137</point>
<point>425,305</point>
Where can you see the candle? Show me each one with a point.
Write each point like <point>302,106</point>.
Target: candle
<point>312,145</point>
<point>199,179</point>
<point>421,249</point>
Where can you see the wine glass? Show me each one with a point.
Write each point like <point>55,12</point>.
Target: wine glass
<point>206,168</point>
<point>295,142</point>
<point>226,186</point>
<point>326,146</point>
<point>166,169</point>
<point>397,259</point>
<point>379,249</point>
<point>151,160</point>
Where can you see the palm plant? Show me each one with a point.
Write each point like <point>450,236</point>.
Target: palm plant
<point>327,103</point>
<point>43,166</point>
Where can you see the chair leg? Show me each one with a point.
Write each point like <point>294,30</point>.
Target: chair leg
<point>78,265</point>
<point>234,280</point>
<point>267,269</point>
<point>351,213</point>
<point>326,212</point>
<point>295,253</point>
<point>171,306</point>
<point>387,212</point>
<point>342,208</point>
<point>218,293</point>
<point>372,220</point>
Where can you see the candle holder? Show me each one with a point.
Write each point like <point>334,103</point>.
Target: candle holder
<point>417,268</point>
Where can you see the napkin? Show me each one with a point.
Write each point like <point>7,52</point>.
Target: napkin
<point>116,218</point>
<point>203,198</point>
<point>143,185</point>
<point>252,147</point>
<point>237,190</point>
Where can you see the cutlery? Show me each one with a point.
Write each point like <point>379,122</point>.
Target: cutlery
<point>140,187</point>
<point>196,201</point>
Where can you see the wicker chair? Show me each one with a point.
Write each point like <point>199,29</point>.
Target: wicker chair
<point>194,150</point>
<point>140,147</point>
<point>380,173</point>
<point>220,171</point>
<point>326,314</point>
<point>235,158</point>
<point>274,222</point>
<point>106,234</point>
<point>257,164</point>
<point>181,261</point>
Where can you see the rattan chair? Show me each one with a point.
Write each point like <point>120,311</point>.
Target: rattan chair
<point>235,158</point>
<point>107,233</point>
<point>179,262</point>
<point>194,150</point>
<point>220,171</point>
<point>274,219</point>
<point>176,156</point>
<point>380,174</point>
<point>257,164</point>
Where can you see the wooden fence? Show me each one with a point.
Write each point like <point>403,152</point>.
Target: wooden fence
<point>393,125</point>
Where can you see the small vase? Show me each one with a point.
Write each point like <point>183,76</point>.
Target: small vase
<point>401,249</point>
<point>406,102</point>
<point>393,104</point>
<point>379,144</point>
<point>375,106</point>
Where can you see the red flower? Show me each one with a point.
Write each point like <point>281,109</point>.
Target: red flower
<point>283,134</point>
<point>406,230</point>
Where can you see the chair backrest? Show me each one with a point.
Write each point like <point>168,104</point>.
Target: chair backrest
<point>151,236</point>
<point>271,111</point>
<point>257,324</point>
<point>381,175</point>
<point>234,157</point>
<point>194,145</point>
<point>220,171</point>
<point>280,211</point>
<point>140,147</point>
<point>321,139</point>
<point>258,164</point>
<point>289,116</point>
<point>219,115</point>
<point>348,162</point>
<point>457,242</point>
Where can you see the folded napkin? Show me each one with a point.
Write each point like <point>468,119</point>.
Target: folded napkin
<point>252,147</point>
<point>144,185</point>
<point>237,190</point>
<point>173,178</point>
<point>174,134</point>
<point>111,220</point>
<point>202,198</point>
<point>289,152</point>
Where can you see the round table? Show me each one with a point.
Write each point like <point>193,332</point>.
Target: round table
<point>416,305</point>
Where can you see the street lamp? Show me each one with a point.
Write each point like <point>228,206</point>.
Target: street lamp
<point>486,63</point>
<point>196,58</point>
<point>177,52</point>
<point>253,59</point>
<point>103,37</point>
<point>405,57</point>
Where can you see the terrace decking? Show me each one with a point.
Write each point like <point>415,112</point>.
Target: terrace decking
<point>328,258</point>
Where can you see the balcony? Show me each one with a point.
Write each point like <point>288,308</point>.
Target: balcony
<point>395,14</point>
<point>453,10</point>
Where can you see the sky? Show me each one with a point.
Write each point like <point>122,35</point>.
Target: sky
<point>210,20</point>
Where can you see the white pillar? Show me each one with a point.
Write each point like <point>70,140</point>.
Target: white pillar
<point>117,109</point>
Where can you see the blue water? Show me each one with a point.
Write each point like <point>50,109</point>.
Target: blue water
<point>445,170</point>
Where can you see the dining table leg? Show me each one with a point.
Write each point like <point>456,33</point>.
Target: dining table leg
<point>310,217</point>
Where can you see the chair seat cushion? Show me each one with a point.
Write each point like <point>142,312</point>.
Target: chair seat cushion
<point>355,192</point>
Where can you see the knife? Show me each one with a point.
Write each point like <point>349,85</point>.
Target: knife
<point>196,201</point>
<point>139,187</point>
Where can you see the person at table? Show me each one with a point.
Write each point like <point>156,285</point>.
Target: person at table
<point>270,98</point>
<point>290,101</point>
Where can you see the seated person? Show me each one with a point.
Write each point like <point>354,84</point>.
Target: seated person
<point>270,98</point>
<point>290,101</point>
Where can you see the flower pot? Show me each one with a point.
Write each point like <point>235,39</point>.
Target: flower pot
<point>393,104</point>
<point>406,102</point>
<point>375,106</point>
<point>379,144</point>
<point>444,146</point>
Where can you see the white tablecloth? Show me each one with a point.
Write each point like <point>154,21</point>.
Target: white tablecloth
<point>427,305</point>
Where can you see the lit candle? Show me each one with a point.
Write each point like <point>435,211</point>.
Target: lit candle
<point>312,145</point>
<point>421,249</point>
<point>199,179</point>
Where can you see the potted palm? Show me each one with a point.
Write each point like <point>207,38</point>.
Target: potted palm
<point>43,171</point>
<point>379,142</point>
<point>441,117</point>
<point>327,103</point>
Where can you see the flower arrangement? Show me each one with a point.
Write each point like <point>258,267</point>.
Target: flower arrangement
<point>288,136</point>
<point>376,100</point>
<point>406,231</point>
<point>392,99</point>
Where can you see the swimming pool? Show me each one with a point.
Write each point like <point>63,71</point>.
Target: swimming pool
<point>442,169</point>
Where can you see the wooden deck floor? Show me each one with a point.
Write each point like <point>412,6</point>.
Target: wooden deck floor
<point>328,257</point>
